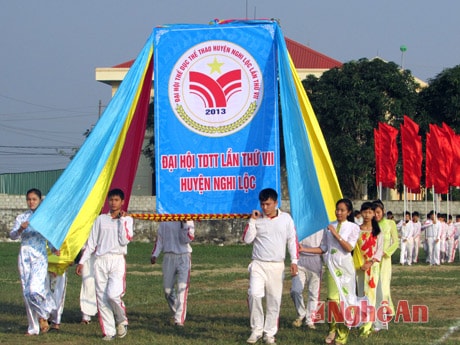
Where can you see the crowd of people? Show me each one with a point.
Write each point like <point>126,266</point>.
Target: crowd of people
<point>353,253</point>
<point>356,260</point>
<point>437,235</point>
<point>101,264</point>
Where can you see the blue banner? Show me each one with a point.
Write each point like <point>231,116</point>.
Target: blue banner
<point>216,116</point>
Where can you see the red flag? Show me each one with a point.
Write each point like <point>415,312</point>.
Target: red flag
<point>378,156</point>
<point>440,165</point>
<point>411,144</point>
<point>389,153</point>
<point>455,174</point>
<point>132,150</point>
<point>454,156</point>
<point>428,162</point>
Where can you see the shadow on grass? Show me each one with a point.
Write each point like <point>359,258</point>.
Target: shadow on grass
<point>196,326</point>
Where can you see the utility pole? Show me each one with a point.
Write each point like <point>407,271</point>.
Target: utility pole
<point>403,49</point>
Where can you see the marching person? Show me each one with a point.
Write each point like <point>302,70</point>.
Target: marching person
<point>417,234</point>
<point>88,302</point>
<point>456,236</point>
<point>58,284</point>
<point>450,240</point>
<point>339,240</point>
<point>390,244</point>
<point>173,239</point>
<point>432,236</point>
<point>367,256</point>
<point>269,231</point>
<point>442,237</point>
<point>33,267</point>
<point>109,240</point>
<point>406,228</point>
<point>310,267</point>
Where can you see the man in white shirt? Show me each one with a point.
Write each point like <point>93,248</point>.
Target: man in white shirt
<point>442,237</point>
<point>173,239</point>
<point>310,268</point>
<point>109,240</point>
<point>270,232</point>
<point>457,234</point>
<point>450,241</point>
<point>417,235</point>
<point>406,228</point>
<point>431,228</point>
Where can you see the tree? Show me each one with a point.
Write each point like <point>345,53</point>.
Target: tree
<point>349,102</point>
<point>149,150</point>
<point>440,101</point>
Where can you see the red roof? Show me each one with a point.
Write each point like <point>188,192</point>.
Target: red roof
<point>126,64</point>
<point>302,56</point>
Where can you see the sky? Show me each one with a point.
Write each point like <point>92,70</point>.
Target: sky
<point>49,51</point>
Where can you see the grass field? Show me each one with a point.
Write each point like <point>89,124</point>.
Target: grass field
<point>217,310</point>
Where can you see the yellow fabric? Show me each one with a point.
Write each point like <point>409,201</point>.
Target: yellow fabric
<point>358,259</point>
<point>339,329</point>
<point>59,264</point>
<point>327,177</point>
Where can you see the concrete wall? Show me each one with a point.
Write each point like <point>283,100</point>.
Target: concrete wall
<point>210,231</point>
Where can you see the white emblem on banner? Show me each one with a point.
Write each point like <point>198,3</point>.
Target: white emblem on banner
<point>216,88</point>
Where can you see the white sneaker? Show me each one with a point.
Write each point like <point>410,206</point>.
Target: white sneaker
<point>108,338</point>
<point>254,337</point>
<point>122,330</point>
<point>297,322</point>
<point>268,339</point>
<point>311,326</point>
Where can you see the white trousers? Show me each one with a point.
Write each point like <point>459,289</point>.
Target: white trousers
<point>436,257</point>
<point>430,250</point>
<point>265,280</point>
<point>33,270</point>
<point>442,250</point>
<point>416,249</point>
<point>407,247</point>
<point>450,252</point>
<point>88,303</point>
<point>110,274</point>
<point>309,278</point>
<point>58,286</point>
<point>176,282</point>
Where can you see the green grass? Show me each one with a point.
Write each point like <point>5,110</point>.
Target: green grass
<point>217,310</point>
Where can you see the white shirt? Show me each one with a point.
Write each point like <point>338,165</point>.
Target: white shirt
<point>451,231</point>
<point>108,236</point>
<point>431,229</point>
<point>348,231</point>
<point>442,231</point>
<point>417,228</point>
<point>270,236</point>
<point>174,237</point>
<point>407,230</point>
<point>457,229</point>
<point>312,241</point>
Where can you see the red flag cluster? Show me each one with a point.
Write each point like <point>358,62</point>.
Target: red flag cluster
<point>442,156</point>
<point>443,159</point>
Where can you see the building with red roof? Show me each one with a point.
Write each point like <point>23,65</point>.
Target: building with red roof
<point>306,60</point>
